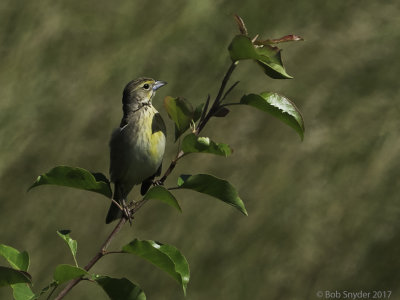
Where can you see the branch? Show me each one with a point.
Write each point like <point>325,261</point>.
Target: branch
<point>229,90</point>
<point>224,82</point>
<point>219,98</point>
<point>95,259</point>
<point>204,120</point>
<point>102,252</point>
<point>172,166</point>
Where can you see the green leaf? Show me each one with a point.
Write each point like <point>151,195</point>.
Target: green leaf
<point>198,111</point>
<point>269,58</point>
<point>165,257</point>
<point>47,288</point>
<point>9,276</point>
<point>22,291</point>
<point>194,144</point>
<point>213,186</point>
<point>72,244</point>
<point>181,112</point>
<point>64,273</point>
<point>120,289</point>
<point>18,260</point>
<point>278,106</point>
<point>76,178</point>
<point>162,194</point>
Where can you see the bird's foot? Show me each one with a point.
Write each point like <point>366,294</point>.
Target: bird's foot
<point>127,212</point>
<point>158,182</point>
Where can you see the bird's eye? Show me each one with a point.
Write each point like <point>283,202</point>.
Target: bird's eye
<point>146,86</point>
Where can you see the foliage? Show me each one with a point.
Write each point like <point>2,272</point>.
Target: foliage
<point>185,117</point>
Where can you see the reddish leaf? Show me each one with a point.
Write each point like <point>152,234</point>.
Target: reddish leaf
<point>286,38</point>
<point>241,25</point>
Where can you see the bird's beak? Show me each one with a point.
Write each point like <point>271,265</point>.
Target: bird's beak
<point>158,84</point>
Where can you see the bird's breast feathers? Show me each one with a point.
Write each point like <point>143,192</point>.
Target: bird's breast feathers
<point>137,149</point>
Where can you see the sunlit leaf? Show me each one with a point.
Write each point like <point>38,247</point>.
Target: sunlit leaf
<point>18,260</point>
<point>213,186</point>
<point>181,112</point>
<point>76,178</point>
<point>120,289</point>
<point>64,273</point>
<point>165,257</point>
<point>278,106</point>
<point>192,143</point>
<point>9,276</point>
<point>72,244</point>
<point>162,194</point>
<point>269,58</point>
<point>22,291</point>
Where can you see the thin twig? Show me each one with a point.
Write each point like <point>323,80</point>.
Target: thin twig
<point>217,100</point>
<point>229,90</point>
<point>173,188</point>
<point>113,252</point>
<point>230,104</point>
<point>138,205</point>
<point>203,113</point>
<point>225,81</point>
<point>172,165</point>
<point>52,291</point>
<point>98,256</point>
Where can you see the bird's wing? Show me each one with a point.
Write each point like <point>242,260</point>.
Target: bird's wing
<point>118,167</point>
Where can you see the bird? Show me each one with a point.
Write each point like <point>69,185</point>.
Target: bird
<point>137,147</point>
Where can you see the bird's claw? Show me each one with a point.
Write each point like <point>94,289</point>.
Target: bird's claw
<point>127,212</point>
<point>158,182</point>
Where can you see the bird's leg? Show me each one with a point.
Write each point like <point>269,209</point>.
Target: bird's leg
<point>125,209</point>
<point>127,212</point>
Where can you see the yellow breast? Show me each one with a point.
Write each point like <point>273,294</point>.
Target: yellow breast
<point>155,133</point>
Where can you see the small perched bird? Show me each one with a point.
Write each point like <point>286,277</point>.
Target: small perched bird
<point>137,146</point>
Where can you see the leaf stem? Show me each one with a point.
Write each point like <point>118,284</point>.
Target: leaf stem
<point>52,291</point>
<point>229,90</point>
<point>228,75</point>
<point>231,104</point>
<point>96,258</point>
<point>114,252</point>
<point>173,188</point>
<point>219,98</point>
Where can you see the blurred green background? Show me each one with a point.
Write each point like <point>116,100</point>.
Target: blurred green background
<point>323,213</point>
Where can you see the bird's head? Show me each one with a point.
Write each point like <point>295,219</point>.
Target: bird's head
<point>140,92</point>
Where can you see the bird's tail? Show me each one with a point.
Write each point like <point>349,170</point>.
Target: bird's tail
<point>114,212</point>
